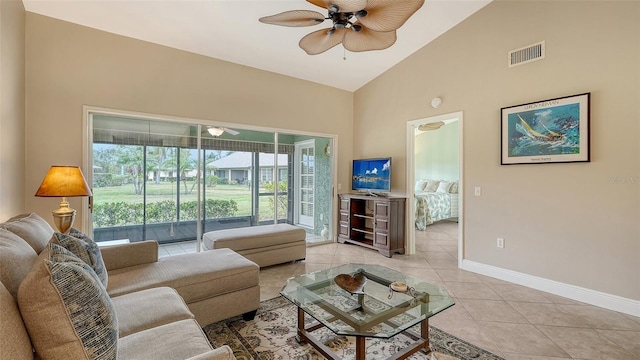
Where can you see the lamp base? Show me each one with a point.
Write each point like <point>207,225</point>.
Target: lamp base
<point>64,217</point>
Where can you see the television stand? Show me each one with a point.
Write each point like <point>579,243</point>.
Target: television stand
<point>373,221</point>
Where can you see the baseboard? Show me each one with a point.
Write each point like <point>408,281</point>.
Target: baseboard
<point>592,297</point>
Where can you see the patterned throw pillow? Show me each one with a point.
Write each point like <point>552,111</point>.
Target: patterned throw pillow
<point>66,310</point>
<point>86,249</point>
<point>454,188</point>
<point>432,186</point>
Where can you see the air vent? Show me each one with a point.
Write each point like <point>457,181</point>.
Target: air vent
<point>526,54</point>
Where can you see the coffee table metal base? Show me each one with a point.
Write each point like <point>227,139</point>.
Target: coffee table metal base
<point>304,335</point>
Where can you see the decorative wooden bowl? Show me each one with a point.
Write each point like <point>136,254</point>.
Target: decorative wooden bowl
<point>353,284</point>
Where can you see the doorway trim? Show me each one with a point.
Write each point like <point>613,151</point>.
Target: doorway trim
<point>410,179</point>
<point>298,218</point>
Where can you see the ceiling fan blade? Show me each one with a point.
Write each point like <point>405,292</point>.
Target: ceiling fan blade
<point>367,39</point>
<point>343,5</point>
<point>231,131</point>
<point>294,18</point>
<point>320,41</point>
<point>385,15</point>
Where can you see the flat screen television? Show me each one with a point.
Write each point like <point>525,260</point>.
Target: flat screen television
<point>371,175</point>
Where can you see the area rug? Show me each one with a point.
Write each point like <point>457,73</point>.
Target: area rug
<point>272,336</point>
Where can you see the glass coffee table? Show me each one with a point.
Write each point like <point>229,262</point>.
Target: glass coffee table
<point>374,310</point>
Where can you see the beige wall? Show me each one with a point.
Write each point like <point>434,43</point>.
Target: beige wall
<point>577,224</point>
<point>69,66</point>
<point>12,101</point>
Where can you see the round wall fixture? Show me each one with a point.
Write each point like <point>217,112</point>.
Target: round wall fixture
<point>435,103</point>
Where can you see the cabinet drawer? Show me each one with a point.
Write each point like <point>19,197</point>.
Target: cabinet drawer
<point>382,224</point>
<point>344,217</point>
<point>344,204</point>
<point>381,240</point>
<point>344,229</point>
<point>382,209</point>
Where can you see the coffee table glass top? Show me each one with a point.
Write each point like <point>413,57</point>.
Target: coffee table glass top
<point>377,311</point>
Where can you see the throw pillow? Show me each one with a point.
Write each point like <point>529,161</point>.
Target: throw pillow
<point>87,250</point>
<point>432,186</point>
<point>444,186</point>
<point>454,188</point>
<point>420,185</point>
<point>66,309</point>
<point>32,228</point>
<point>16,259</point>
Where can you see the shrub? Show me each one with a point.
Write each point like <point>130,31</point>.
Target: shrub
<point>122,213</point>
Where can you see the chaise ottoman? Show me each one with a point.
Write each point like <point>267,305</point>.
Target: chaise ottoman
<point>265,245</point>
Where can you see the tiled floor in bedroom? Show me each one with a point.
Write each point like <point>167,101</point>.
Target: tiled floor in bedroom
<point>509,320</point>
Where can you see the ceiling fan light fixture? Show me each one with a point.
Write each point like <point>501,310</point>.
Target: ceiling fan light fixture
<point>362,13</point>
<point>356,27</point>
<point>431,126</point>
<point>215,131</point>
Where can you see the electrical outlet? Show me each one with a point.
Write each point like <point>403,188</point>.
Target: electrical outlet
<point>478,191</point>
<point>321,217</point>
<point>500,243</point>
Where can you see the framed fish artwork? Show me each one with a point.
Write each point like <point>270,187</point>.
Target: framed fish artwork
<point>548,131</point>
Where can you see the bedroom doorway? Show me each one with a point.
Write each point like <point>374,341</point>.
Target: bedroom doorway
<point>434,152</point>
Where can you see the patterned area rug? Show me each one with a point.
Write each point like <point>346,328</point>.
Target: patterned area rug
<point>271,335</point>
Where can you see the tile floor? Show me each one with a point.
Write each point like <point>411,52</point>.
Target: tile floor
<point>512,321</point>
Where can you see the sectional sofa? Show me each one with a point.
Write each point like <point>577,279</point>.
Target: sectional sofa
<point>63,297</point>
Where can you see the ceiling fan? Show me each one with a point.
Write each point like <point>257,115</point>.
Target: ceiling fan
<point>216,131</point>
<point>360,25</point>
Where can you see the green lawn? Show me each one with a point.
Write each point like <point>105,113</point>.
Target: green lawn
<point>241,194</point>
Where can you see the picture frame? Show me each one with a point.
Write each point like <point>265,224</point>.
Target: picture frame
<point>548,131</point>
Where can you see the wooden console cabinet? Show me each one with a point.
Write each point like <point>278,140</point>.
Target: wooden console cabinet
<point>375,222</point>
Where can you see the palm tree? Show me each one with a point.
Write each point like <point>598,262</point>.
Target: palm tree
<point>131,158</point>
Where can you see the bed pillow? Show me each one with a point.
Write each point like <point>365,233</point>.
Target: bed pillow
<point>66,310</point>
<point>420,185</point>
<point>432,186</point>
<point>444,186</point>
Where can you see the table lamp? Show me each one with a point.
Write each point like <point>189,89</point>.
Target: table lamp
<point>64,181</point>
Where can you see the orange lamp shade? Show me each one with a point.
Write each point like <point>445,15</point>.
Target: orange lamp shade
<point>66,181</point>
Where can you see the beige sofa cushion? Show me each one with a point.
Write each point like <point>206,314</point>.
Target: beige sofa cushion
<point>253,237</point>
<point>16,259</point>
<point>32,228</point>
<point>177,340</point>
<point>142,310</point>
<point>66,310</point>
<point>208,274</point>
<point>14,340</point>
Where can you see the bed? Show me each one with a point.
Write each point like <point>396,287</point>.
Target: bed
<point>435,200</point>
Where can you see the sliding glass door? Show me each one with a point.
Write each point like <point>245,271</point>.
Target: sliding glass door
<point>172,181</point>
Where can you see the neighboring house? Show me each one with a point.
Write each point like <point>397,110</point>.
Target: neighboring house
<point>238,165</point>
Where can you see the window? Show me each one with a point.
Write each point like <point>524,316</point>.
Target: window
<point>150,175</point>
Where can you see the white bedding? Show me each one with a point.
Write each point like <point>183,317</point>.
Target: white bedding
<point>434,206</point>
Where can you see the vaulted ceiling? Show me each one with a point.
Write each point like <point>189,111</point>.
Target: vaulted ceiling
<point>229,30</point>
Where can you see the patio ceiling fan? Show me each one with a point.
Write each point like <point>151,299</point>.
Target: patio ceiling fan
<point>360,25</point>
<point>216,131</point>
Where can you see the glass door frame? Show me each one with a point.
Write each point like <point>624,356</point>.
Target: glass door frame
<point>87,163</point>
